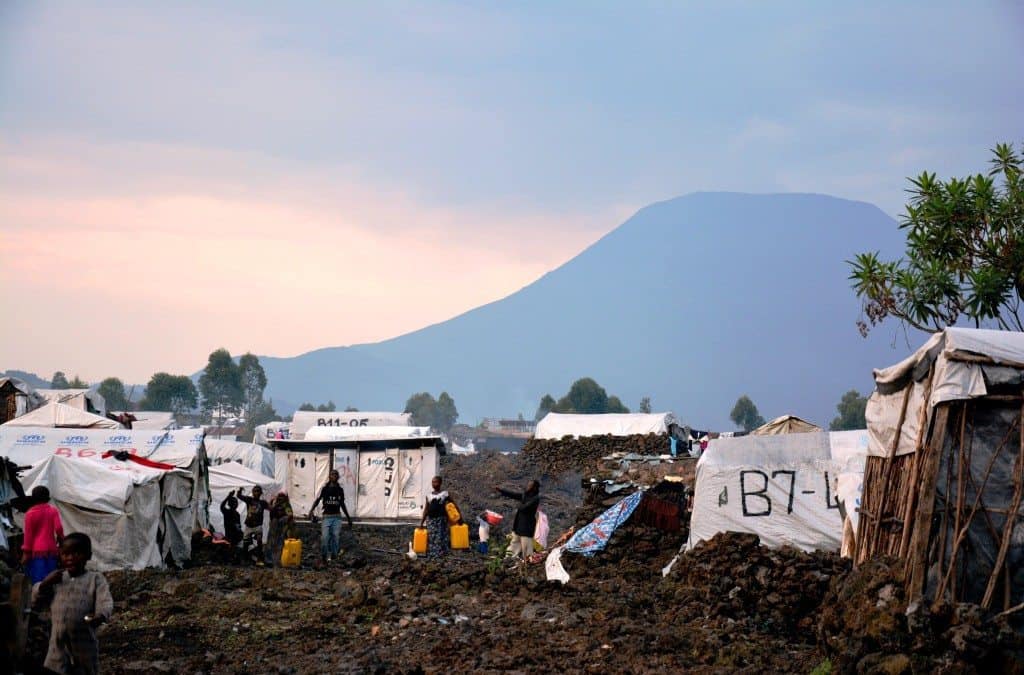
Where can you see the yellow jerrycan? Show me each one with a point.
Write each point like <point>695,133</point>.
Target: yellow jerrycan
<point>453,513</point>
<point>419,540</point>
<point>291,554</point>
<point>460,536</point>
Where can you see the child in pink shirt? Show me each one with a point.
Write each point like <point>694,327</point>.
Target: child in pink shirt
<point>43,534</point>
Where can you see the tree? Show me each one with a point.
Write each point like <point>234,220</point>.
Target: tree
<point>964,253</point>
<point>584,396</point>
<point>59,381</point>
<point>221,386</point>
<point>645,405</point>
<point>851,412</point>
<point>615,405</point>
<point>745,415</point>
<point>112,391</point>
<point>327,407</point>
<point>421,407</point>
<point>170,393</point>
<point>445,412</point>
<point>254,382</point>
<point>547,404</point>
<point>262,413</point>
<point>351,408</point>
<point>77,383</point>
<point>307,407</point>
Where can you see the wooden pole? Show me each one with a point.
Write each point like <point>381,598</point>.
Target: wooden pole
<point>918,550</point>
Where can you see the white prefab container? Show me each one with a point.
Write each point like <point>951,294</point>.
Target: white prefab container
<point>304,420</point>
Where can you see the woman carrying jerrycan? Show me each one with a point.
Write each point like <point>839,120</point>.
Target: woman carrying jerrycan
<point>436,519</point>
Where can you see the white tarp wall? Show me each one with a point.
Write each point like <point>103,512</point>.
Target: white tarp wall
<point>226,478</point>
<point>393,483</point>
<point>83,399</point>
<point>783,488</point>
<point>388,433</point>
<point>55,415</point>
<point>557,425</point>
<point>263,433</point>
<point>304,420</point>
<point>305,472</point>
<point>115,503</point>
<point>182,499</point>
<point>250,455</point>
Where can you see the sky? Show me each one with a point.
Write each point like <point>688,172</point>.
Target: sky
<point>281,177</point>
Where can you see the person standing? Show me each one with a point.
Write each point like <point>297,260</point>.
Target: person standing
<point>79,601</point>
<point>43,534</point>
<point>333,497</point>
<point>281,519</point>
<point>435,518</point>
<point>255,508</point>
<point>525,522</point>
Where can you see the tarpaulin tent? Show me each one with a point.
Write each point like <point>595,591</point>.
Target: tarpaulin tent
<point>944,480</point>
<point>557,425</point>
<point>62,415</point>
<point>183,498</point>
<point>271,430</point>
<point>225,478</point>
<point>250,455</point>
<point>783,488</point>
<point>83,399</point>
<point>383,478</point>
<point>786,424</point>
<point>116,503</point>
<point>304,420</point>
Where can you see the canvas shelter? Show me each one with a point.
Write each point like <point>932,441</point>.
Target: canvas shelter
<point>183,496</point>
<point>117,503</point>
<point>782,487</point>
<point>557,425</point>
<point>304,420</point>
<point>386,476</point>
<point>17,398</point>
<point>230,476</point>
<point>61,415</point>
<point>786,424</point>
<point>83,399</point>
<point>250,455</point>
<point>944,479</point>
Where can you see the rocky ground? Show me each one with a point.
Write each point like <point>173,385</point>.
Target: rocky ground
<point>730,605</point>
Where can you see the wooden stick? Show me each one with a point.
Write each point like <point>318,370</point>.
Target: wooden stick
<point>918,550</point>
<point>913,487</point>
<point>883,491</point>
<point>964,357</point>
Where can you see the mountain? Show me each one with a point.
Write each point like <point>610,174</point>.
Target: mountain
<point>692,301</point>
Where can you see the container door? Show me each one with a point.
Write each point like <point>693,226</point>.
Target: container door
<point>301,481</point>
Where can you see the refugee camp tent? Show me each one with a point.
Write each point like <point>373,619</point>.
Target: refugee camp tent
<point>944,479</point>
<point>62,415</point>
<point>250,455</point>
<point>17,398</point>
<point>151,419</point>
<point>786,424</point>
<point>83,399</point>
<point>384,476</point>
<point>304,420</point>
<point>228,477</point>
<point>264,432</point>
<point>783,488</point>
<point>116,503</point>
<point>557,425</point>
<point>183,496</point>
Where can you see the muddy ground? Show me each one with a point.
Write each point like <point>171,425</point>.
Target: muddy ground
<point>731,605</point>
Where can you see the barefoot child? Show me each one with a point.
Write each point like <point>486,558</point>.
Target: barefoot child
<point>79,601</point>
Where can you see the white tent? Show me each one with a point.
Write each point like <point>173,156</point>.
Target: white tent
<point>304,420</point>
<point>263,433</point>
<point>225,478</point>
<point>117,505</point>
<point>83,399</point>
<point>785,424</point>
<point>183,497</point>
<point>62,415</point>
<point>783,488</point>
<point>250,455</point>
<point>557,425</point>
<point>383,478</point>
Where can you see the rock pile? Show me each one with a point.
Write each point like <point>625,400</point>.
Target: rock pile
<point>582,454</point>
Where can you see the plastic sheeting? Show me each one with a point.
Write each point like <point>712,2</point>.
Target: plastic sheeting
<point>557,425</point>
<point>62,415</point>
<point>786,424</point>
<point>782,488</point>
<point>304,420</point>
<point>594,537</point>
<point>250,455</point>
<point>83,399</point>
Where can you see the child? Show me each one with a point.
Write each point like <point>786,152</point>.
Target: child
<point>255,508</point>
<point>43,532</point>
<point>281,519</point>
<point>232,522</point>
<point>79,601</point>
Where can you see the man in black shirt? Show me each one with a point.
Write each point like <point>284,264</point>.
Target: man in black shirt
<point>333,497</point>
<point>255,508</point>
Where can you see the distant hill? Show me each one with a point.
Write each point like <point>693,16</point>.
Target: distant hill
<point>31,379</point>
<point>692,301</point>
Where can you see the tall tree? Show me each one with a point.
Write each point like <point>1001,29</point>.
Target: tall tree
<point>964,253</point>
<point>645,405</point>
<point>327,407</point>
<point>745,414</point>
<point>421,407</point>
<point>254,382</point>
<point>851,408</point>
<point>615,405</point>
<point>170,393</point>
<point>59,381</point>
<point>78,383</point>
<point>547,404</point>
<point>112,391</point>
<point>445,412</point>
<point>220,386</point>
